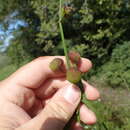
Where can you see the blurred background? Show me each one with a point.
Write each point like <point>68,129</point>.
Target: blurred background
<point>97,29</point>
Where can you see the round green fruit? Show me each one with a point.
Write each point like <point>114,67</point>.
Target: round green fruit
<point>56,64</point>
<point>73,75</point>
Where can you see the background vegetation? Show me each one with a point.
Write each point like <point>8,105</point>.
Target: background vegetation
<point>98,29</point>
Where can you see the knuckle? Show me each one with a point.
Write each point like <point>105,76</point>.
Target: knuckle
<point>60,111</point>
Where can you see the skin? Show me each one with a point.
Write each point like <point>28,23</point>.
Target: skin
<point>35,98</point>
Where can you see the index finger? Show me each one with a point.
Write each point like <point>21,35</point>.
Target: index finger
<point>36,72</point>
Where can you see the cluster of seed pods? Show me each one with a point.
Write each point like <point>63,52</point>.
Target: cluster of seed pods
<point>72,73</point>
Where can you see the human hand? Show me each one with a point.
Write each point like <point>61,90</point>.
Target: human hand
<point>35,98</point>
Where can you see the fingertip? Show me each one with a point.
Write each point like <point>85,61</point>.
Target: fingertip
<point>85,65</point>
<point>91,92</point>
<point>87,116</point>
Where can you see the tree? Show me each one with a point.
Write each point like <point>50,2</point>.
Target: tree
<point>93,27</point>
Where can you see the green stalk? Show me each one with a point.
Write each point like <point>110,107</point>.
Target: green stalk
<point>76,114</point>
<point>62,35</point>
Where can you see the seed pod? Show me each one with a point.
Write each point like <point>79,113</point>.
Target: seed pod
<point>73,75</point>
<point>56,64</point>
<point>74,57</point>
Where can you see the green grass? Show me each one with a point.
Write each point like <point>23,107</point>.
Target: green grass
<point>6,68</point>
<point>4,60</point>
<point>113,111</point>
<point>6,71</point>
<point>109,117</point>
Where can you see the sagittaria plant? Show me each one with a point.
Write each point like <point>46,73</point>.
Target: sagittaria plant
<point>73,59</point>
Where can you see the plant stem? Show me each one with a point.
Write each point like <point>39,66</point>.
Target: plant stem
<point>62,35</point>
<point>76,114</point>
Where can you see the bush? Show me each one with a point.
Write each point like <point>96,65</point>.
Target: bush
<point>21,56</point>
<point>93,28</point>
<point>116,72</point>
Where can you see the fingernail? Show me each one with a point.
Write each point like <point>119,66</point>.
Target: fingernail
<point>71,94</point>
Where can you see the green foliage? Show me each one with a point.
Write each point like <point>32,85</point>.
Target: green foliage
<point>6,71</point>
<point>108,117</point>
<point>48,36</point>
<point>22,55</point>
<point>4,60</point>
<point>117,71</point>
<point>6,8</point>
<point>93,28</point>
<point>127,126</point>
<point>101,25</point>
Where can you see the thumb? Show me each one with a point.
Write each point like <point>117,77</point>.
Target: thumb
<point>57,112</point>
